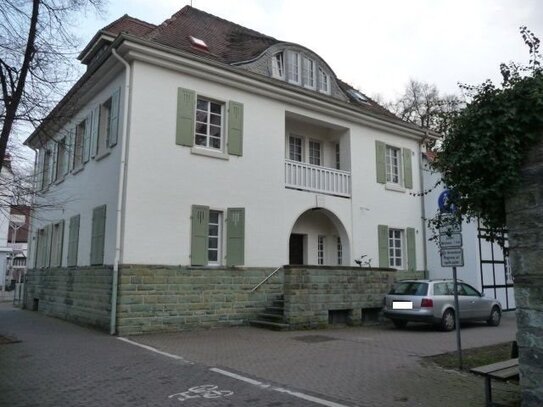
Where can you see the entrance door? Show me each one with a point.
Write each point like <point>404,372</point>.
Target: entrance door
<point>296,249</point>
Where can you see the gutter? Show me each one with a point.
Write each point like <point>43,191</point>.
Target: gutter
<point>121,196</point>
<point>423,207</point>
<point>31,245</point>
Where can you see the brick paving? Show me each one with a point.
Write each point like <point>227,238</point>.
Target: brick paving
<point>377,366</point>
<point>58,364</point>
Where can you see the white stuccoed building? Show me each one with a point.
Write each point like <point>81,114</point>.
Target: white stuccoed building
<point>206,148</point>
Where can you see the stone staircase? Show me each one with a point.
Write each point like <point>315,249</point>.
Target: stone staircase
<point>273,316</point>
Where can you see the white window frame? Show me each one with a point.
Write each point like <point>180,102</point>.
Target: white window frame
<point>79,140</point>
<point>47,162</point>
<point>208,115</point>
<point>338,156</point>
<point>61,158</point>
<point>312,158</point>
<point>393,165</point>
<point>321,250</point>
<point>294,67</point>
<point>339,251</point>
<point>278,65</point>
<point>309,73</point>
<point>396,241</point>
<point>104,126</point>
<point>291,138</point>
<point>324,82</point>
<point>218,237</point>
<point>55,256</point>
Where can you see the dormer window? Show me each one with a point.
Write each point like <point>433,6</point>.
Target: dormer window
<point>293,67</point>
<point>324,81</point>
<point>198,43</point>
<point>357,95</point>
<point>309,74</point>
<point>278,66</point>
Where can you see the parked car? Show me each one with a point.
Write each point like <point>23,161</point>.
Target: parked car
<point>432,301</point>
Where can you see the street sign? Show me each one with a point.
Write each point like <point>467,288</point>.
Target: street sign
<point>450,240</point>
<point>452,257</point>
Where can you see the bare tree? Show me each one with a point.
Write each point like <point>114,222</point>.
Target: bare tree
<point>422,104</point>
<point>36,49</point>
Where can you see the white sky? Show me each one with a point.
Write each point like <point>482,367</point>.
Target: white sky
<point>376,46</point>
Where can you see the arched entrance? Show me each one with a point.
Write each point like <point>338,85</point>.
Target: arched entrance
<point>319,238</point>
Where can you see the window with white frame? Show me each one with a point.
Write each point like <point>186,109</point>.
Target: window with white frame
<point>314,152</point>
<point>80,130</point>
<point>293,67</point>
<point>56,244</point>
<point>393,165</point>
<point>324,81</point>
<point>209,124</point>
<point>214,237</point>
<point>295,148</point>
<point>309,75</point>
<point>104,127</point>
<point>338,162</point>
<point>396,248</point>
<point>61,159</point>
<point>278,65</point>
<point>339,252</point>
<point>320,250</point>
<point>45,169</point>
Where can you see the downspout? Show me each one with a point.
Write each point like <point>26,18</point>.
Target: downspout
<point>120,199</point>
<point>423,207</point>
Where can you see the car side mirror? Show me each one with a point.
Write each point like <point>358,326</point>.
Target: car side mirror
<point>483,295</point>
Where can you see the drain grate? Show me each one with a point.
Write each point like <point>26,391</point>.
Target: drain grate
<point>4,340</point>
<point>314,338</point>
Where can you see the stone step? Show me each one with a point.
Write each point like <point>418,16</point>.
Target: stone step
<point>275,310</point>
<point>269,325</point>
<point>273,317</point>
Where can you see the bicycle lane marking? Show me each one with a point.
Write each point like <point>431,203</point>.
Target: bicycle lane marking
<point>147,347</point>
<point>298,394</point>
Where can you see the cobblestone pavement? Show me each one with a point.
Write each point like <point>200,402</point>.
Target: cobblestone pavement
<point>377,366</point>
<point>45,362</point>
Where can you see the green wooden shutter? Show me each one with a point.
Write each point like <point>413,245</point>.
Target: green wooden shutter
<point>411,250</point>
<point>114,118</point>
<point>380,162</point>
<point>407,169</point>
<point>70,151</point>
<point>235,128</point>
<point>98,235</point>
<point>56,145</point>
<point>95,128</point>
<point>382,236</point>
<point>199,235</point>
<point>186,102</point>
<point>87,139</point>
<point>73,241</point>
<point>40,167</point>
<point>235,236</point>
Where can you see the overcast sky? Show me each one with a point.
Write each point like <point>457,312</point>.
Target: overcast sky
<point>375,45</point>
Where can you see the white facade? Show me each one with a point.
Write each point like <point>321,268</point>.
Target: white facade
<point>485,266</point>
<point>164,180</point>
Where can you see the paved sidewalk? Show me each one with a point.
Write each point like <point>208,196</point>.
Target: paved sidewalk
<point>379,366</point>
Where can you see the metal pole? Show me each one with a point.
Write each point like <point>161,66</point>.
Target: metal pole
<point>457,320</point>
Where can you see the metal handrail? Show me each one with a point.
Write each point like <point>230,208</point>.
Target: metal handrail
<point>267,278</point>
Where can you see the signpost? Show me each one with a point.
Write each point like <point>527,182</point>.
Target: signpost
<point>452,255</point>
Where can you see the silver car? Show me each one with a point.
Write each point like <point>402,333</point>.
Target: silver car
<point>432,301</point>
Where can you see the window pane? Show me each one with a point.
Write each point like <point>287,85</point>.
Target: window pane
<point>212,255</point>
<point>213,243</point>
<point>214,131</point>
<point>202,104</point>
<point>201,116</point>
<point>215,108</point>
<point>200,140</point>
<point>215,119</point>
<point>215,143</point>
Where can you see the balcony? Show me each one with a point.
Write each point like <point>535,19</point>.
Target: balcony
<point>318,179</point>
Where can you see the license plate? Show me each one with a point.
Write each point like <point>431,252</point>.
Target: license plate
<point>402,304</point>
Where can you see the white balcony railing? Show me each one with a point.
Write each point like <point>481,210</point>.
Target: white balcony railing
<point>318,179</point>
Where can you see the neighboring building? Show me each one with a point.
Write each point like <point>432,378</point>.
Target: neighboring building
<point>6,177</point>
<point>18,241</point>
<point>486,264</point>
<point>193,159</point>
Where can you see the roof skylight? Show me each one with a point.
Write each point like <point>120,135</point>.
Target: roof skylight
<point>357,95</point>
<point>198,43</point>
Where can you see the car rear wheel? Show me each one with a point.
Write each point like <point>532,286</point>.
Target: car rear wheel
<point>447,320</point>
<point>495,317</point>
<point>399,323</point>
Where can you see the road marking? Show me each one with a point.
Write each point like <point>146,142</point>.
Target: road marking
<point>207,391</point>
<point>170,355</point>
<point>303,396</point>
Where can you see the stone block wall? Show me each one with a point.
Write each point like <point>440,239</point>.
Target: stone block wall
<point>80,295</point>
<point>169,299</point>
<point>311,292</point>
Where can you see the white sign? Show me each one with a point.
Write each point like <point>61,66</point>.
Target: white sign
<point>452,257</point>
<point>402,304</point>
<point>447,240</point>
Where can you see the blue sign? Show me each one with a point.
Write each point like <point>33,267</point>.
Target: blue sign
<point>444,202</point>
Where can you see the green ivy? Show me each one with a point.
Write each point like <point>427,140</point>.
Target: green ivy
<point>488,141</point>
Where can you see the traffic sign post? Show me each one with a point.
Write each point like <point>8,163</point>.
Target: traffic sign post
<point>452,255</point>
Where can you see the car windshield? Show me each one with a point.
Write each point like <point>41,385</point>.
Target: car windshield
<point>410,288</point>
